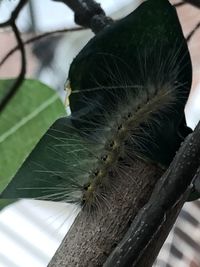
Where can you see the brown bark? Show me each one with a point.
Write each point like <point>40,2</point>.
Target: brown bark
<point>131,229</point>
<point>157,216</point>
<point>153,247</point>
<point>92,237</point>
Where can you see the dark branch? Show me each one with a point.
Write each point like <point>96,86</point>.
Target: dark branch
<point>179,4</point>
<point>168,191</point>
<point>16,85</point>
<point>14,14</point>
<point>37,38</point>
<point>88,14</point>
<point>195,3</point>
<point>190,35</point>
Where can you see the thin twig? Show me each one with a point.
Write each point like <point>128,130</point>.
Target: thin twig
<point>195,3</point>
<point>88,13</point>
<point>14,14</point>
<point>36,38</point>
<point>16,85</point>
<point>190,35</point>
<point>179,4</point>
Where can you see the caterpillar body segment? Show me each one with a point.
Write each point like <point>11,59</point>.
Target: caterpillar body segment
<point>129,86</point>
<point>140,65</point>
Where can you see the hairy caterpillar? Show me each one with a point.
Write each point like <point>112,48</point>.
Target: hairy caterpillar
<point>129,88</point>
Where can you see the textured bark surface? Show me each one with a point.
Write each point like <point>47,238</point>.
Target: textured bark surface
<point>132,228</point>
<point>151,251</point>
<point>92,237</point>
<point>156,217</point>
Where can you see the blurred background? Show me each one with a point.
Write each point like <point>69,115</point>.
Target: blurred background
<point>31,231</point>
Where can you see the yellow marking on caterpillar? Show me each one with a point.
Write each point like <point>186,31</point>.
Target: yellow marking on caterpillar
<point>90,188</point>
<point>68,93</point>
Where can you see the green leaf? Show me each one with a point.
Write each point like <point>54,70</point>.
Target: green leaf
<point>56,168</point>
<point>129,87</point>
<point>22,123</point>
<point>146,50</point>
<point>149,33</point>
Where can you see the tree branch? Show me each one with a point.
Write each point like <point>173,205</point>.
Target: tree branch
<point>152,206</point>
<point>93,237</point>
<point>14,14</point>
<point>191,34</point>
<point>88,13</point>
<point>168,191</point>
<point>37,38</point>
<point>195,3</point>
<point>179,4</point>
<point>16,85</point>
